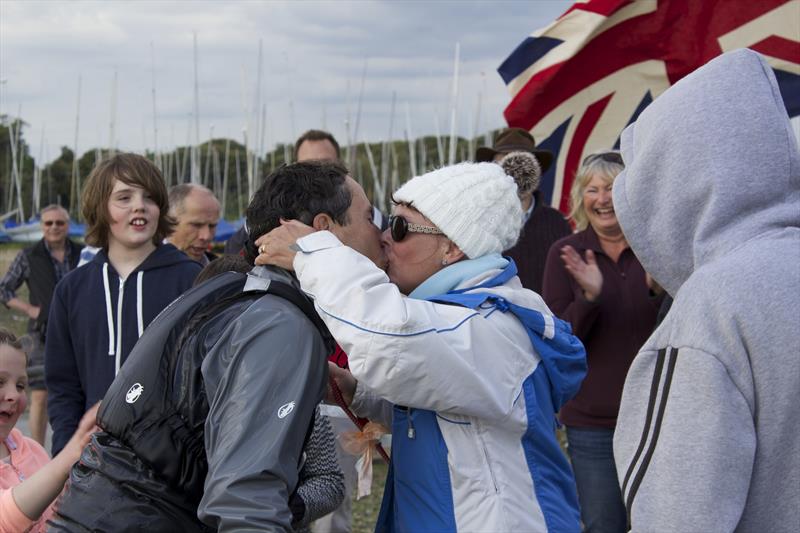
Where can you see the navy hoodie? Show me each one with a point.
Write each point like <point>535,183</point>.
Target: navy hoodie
<point>95,319</point>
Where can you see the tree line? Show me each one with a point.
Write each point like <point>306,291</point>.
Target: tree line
<point>222,165</point>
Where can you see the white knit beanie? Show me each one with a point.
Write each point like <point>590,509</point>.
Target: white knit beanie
<point>474,204</point>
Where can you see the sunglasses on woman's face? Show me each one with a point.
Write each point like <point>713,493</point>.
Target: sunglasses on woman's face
<point>608,157</point>
<point>400,227</point>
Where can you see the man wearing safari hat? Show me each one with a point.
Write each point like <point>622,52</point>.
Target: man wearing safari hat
<point>543,225</point>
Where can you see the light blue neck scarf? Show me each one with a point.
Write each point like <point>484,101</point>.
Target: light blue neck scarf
<point>454,275</point>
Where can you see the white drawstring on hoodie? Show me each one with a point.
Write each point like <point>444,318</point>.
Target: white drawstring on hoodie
<point>117,350</point>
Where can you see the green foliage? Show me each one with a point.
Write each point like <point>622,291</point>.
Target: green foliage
<point>390,166</point>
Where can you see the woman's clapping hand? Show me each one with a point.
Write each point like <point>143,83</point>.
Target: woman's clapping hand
<point>586,273</point>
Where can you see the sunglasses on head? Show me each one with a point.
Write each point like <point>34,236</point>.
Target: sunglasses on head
<point>608,157</point>
<point>400,227</point>
<point>58,223</point>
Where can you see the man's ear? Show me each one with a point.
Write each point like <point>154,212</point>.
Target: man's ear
<point>322,222</point>
<point>453,253</point>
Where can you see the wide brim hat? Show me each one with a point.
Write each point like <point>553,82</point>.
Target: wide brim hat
<point>515,140</point>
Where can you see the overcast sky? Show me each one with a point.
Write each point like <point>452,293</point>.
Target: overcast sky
<point>312,52</point>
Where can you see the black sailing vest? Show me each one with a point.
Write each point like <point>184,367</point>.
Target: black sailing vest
<point>42,279</point>
<point>157,424</point>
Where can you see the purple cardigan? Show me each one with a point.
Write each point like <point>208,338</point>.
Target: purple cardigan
<point>612,328</point>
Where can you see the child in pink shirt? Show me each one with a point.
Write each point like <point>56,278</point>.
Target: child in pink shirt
<point>29,480</point>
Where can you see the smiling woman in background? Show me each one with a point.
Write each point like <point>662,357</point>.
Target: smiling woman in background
<point>593,280</point>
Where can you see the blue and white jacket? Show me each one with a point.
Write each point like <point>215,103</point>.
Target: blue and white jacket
<point>473,446</point>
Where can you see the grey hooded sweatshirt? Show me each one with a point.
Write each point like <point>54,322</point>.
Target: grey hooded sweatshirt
<point>708,435</point>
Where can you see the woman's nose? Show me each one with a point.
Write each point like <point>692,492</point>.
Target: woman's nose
<point>386,237</point>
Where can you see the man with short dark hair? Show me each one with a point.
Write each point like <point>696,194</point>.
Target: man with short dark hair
<point>312,145</point>
<point>316,144</point>
<point>322,146</point>
<point>41,266</point>
<point>206,422</point>
<point>543,225</point>
<point>197,212</point>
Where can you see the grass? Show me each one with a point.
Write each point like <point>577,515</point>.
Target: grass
<point>365,510</point>
<point>13,321</point>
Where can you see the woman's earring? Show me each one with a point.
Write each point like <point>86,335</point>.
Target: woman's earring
<point>444,262</point>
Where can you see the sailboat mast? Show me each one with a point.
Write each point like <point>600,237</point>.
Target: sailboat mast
<point>387,145</point>
<point>261,144</point>
<point>112,141</point>
<point>224,195</point>
<point>74,188</point>
<point>412,156</point>
<point>207,178</point>
<point>196,177</point>
<point>37,176</point>
<point>352,162</point>
<point>258,130</point>
<point>451,159</point>
<point>15,170</point>
<point>157,155</point>
<point>439,147</point>
<point>238,186</point>
<point>348,138</point>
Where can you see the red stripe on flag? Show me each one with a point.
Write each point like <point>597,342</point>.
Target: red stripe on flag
<point>779,48</point>
<point>682,34</point>
<point>601,7</point>
<point>517,113</point>
<point>582,132</point>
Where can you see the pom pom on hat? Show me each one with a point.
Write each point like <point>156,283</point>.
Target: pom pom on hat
<point>524,168</point>
<point>474,204</point>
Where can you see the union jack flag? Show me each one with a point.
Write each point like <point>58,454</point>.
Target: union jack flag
<point>581,80</point>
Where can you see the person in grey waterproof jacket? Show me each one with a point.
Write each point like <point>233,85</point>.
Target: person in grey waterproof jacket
<point>179,451</point>
<point>205,425</point>
<point>707,436</point>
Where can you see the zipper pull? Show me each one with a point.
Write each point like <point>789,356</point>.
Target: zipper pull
<point>411,433</point>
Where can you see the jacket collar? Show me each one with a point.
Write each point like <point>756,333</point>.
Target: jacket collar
<point>588,240</point>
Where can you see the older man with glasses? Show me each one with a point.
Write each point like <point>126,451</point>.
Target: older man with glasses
<point>41,266</point>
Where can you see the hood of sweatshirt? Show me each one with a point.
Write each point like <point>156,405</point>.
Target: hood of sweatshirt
<point>710,164</point>
<point>164,255</point>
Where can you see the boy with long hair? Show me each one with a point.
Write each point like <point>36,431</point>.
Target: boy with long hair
<point>100,310</point>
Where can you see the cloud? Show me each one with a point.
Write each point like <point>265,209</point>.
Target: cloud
<point>313,58</point>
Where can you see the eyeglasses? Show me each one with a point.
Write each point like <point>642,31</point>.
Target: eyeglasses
<point>400,227</point>
<point>58,223</point>
<point>611,156</point>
